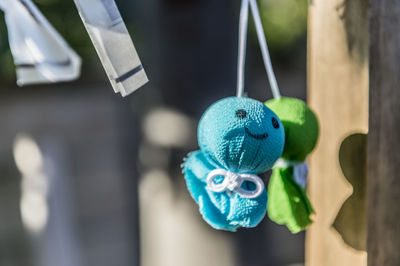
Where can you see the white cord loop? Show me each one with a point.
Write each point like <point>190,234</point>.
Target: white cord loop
<point>232,182</point>
<point>243,24</point>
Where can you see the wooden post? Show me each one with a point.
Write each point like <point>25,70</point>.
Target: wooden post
<point>384,135</point>
<point>338,92</point>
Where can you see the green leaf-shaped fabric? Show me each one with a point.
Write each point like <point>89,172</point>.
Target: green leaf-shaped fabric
<point>288,203</point>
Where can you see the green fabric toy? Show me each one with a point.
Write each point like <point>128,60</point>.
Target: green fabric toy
<point>288,203</point>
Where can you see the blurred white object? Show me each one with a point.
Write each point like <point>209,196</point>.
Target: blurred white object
<point>40,54</point>
<point>113,44</point>
<point>300,171</point>
<point>168,128</point>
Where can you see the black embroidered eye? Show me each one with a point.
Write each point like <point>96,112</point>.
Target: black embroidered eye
<point>241,113</point>
<point>275,123</point>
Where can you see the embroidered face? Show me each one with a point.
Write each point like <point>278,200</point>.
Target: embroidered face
<point>241,135</point>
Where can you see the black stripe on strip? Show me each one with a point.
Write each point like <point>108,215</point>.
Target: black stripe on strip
<point>62,63</point>
<point>129,74</point>
<point>25,65</point>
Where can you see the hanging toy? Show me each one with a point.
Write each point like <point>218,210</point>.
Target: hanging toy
<point>113,44</point>
<point>288,202</point>
<point>40,54</point>
<point>239,138</point>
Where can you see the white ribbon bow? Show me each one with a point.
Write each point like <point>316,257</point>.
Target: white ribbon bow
<point>232,182</point>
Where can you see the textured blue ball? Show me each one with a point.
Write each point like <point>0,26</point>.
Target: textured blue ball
<point>241,134</point>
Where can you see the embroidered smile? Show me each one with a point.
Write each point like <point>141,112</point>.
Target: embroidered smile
<point>256,136</point>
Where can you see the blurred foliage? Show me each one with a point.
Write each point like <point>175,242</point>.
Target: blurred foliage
<point>285,23</point>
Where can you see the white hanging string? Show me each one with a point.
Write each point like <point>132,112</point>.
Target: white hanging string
<point>264,50</point>
<point>243,21</point>
<point>243,24</point>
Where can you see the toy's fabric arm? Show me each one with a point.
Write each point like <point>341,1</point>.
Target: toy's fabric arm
<point>195,169</point>
<point>288,203</point>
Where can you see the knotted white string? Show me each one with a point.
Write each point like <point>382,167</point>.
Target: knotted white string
<point>232,182</point>
<point>243,24</point>
<point>300,170</point>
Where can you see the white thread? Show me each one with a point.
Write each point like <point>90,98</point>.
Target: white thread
<point>232,182</point>
<point>264,50</point>
<point>281,163</point>
<point>243,22</point>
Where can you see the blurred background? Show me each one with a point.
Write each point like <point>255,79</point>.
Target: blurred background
<point>90,178</point>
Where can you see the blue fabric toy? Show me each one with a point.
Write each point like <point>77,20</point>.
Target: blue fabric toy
<point>238,138</point>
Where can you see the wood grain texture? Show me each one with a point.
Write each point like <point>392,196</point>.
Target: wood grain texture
<point>384,135</point>
<point>338,92</point>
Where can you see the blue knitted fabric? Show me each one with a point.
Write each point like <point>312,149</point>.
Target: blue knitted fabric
<point>240,135</point>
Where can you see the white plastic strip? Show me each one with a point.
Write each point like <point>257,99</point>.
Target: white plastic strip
<point>40,54</point>
<point>243,22</point>
<point>113,44</point>
<point>264,49</point>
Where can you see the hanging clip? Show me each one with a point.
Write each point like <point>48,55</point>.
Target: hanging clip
<point>113,44</point>
<point>40,54</point>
